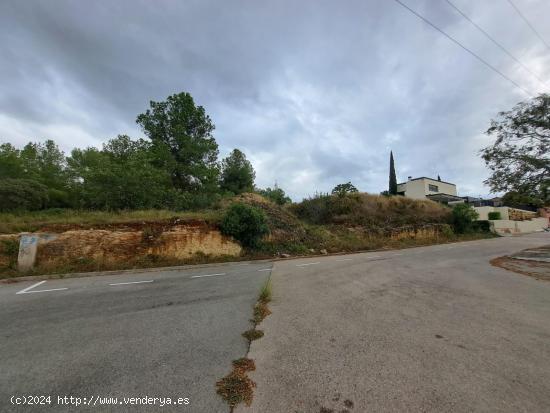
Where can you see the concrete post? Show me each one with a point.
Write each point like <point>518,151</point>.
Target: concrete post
<point>28,244</point>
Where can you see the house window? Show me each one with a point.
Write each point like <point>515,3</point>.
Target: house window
<point>433,188</point>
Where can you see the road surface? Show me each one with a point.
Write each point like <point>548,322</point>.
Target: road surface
<point>431,329</point>
<point>153,334</point>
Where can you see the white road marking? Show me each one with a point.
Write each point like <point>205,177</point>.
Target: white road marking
<point>207,275</point>
<point>265,269</point>
<point>309,263</point>
<point>45,291</point>
<point>373,256</point>
<point>133,282</point>
<point>345,259</point>
<point>395,255</point>
<point>28,288</point>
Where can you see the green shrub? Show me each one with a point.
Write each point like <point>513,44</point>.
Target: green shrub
<point>494,215</point>
<point>245,223</point>
<point>463,218</point>
<point>22,194</point>
<point>447,231</point>
<point>482,226</point>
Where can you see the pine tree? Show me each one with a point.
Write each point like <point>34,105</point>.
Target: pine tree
<point>393,180</point>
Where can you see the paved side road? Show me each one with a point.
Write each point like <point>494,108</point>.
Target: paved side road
<point>156,334</point>
<point>432,329</point>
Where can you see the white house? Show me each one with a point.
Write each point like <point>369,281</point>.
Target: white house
<point>428,188</point>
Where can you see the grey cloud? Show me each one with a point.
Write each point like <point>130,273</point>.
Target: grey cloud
<point>315,92</point>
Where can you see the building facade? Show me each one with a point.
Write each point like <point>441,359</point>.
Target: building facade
<point>428,188</point>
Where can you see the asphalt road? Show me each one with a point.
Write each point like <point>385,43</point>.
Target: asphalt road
<point>153,334</point>
<point>431,329</point>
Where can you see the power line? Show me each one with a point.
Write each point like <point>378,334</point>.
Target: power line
<point>501,47</point>
<point>528,24</point>
<point>490,66</point>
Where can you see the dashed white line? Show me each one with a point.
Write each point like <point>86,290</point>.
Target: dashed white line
<point>133,282</point>
<point>373,256</point>
<point>207,275</point>
<point>265,269</point>
<point>345,259</point>
<point>309,263</point>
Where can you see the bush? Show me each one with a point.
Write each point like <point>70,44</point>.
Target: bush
<point>494,215</point>
<point>245,223</point>
<point>22,194</point>
<point>371,211</point>
<point>463,218</point>
<point>482,226</point>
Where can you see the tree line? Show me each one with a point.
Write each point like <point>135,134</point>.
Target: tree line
<point>176,167</point>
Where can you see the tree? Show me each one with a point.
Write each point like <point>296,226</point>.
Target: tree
<point>344,189</point>
<point>276,195</point>
<point>521,200</point>
<point>520,157</point>
<point>43,163</point>
<point>120,176</point>
<point>10,162</point>
<point>181,134</point>
<point>237,173</point>
<point>393,179</point>
<point>22,194</point>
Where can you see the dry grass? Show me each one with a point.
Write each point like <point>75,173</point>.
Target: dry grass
<point>236,388</point>
<point>371,211</point>
<point>244,364</point>
<point>38,220</point>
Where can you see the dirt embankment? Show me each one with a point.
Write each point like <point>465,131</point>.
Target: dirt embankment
<point>128,245</point>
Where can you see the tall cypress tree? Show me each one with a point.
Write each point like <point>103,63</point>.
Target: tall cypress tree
<point>393,180</point>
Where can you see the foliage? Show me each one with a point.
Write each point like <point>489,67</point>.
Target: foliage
<point>520,157</point>
<point>245,223</point>
<point>482,226</point>
<point>121,176</point>
<point>181,133</point>
<point>237,173</point>
<point>344,189</point>
<point>276,195</point>
<point>40,162</point>
<point>9,248</point>
<point>392,189</point>
<point>494,215</point>
<point>520,200</point>
<point>22,194</point>
<point>370,211</point>
<point>463,218</point>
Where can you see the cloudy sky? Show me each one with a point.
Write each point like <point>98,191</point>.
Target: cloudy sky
<point>314,92</point>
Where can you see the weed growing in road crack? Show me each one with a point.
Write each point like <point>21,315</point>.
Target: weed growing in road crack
<point>237,387</point>
<point>253,334</point>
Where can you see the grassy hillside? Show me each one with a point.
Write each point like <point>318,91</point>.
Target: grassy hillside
<point>370,211</point>
<point>325,223</point>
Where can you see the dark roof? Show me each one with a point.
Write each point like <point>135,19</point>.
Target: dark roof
<point>443,195</point>
<point>425,177</point>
